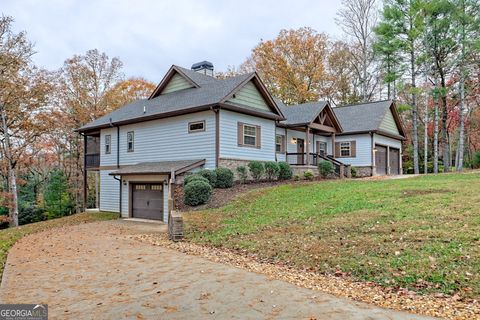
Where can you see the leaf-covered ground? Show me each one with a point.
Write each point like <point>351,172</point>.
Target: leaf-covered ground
<point>420,233</point>
<point>9,236</point>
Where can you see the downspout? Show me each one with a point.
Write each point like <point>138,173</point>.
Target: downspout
<point>216,110</point>
<point>372,153</point>
<point>118,166</point>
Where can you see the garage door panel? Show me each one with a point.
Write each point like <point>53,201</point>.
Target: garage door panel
<point>147,201</point>
<point>394,158</point>
<point>381,160</point>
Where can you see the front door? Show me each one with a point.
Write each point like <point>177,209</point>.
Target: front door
<point>147,201</point>
<point>300,150</point>
<point>381,160</point>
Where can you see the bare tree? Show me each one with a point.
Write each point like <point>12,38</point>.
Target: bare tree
<point>358,19</point>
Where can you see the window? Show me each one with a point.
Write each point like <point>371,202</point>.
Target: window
<point>345,149</point>
<point>322,148</point>
<point>196,126</point>
<point>130,141</point>
<point>249,135</point>
<point>108,144</point>
<point>279,143</point>
<point>157,187</point>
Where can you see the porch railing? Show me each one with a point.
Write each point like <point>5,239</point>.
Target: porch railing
<point>92,160</point>
<point>341,169</point>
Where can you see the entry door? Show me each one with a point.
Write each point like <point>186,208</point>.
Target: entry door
<point>394,158</point>
<point>300,150</point>
<point>381,160</point>
<point>147,201</point>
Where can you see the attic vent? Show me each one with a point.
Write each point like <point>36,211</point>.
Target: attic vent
<point>144,109</point>
<point>205,67</point>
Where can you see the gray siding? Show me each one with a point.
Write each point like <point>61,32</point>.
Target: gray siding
<point>229,148</point>
<point>169,139</point>
<point>177,83</point>
<point>364,150</point>
<point>388,123</point>
<point>109,192</point>
<point>387,141</point>
<point>250,96</point>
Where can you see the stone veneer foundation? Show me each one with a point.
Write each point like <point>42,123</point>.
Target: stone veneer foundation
<point>364,171</point>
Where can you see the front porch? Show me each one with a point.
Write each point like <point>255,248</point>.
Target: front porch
<point>301,162</point>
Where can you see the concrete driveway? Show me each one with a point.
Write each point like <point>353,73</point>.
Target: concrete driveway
<point>95,271</point>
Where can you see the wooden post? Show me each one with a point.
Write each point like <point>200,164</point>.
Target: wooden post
<point>333,146</point>
<point>85,180</point>
<point>307,147</point>
<point>388,160</point>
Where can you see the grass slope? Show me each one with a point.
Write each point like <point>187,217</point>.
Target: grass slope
<point>9,236</point>
<point>421,233</point>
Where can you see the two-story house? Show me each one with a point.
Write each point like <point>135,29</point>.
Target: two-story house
<point>194,120</point>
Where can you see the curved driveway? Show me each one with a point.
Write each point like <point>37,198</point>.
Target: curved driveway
<point>95,271</point>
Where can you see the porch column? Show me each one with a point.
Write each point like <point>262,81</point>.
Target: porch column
<point>333,146</point>
<point>307,148</point>
<point>388,160</point>
<point>85,180</point>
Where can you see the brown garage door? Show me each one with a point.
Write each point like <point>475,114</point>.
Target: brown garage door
<point>147,201</point>
<point>394,159</point>
<point>381,160</point>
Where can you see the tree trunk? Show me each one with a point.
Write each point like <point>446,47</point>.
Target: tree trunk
<point>461,138</point>
<point>445,138</point>
<point>414,113</point>
<point>435,129</point>
<point>12,175</point>
<point>425,139</point>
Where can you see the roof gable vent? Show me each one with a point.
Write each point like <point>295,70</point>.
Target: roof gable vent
<point>204,67</point>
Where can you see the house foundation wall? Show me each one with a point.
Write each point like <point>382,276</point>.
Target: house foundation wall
<point>364,171</point>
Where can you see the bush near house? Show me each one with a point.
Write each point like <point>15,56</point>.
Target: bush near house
<point>257,170</point>
<point>210,175</point>
<point>197,192</point>
<point>285,171</point>
<point>308,175</point>
<point>224,178</point>
<point>272,169</point>
<point>353,171</point>
<point>476,160</point>
<point>242,173</point>
<point>325,168</point>
<point>194,177</point>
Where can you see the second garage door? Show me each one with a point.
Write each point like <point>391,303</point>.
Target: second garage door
<point>394,159</point>
<point>381,160</point>
<point>147,201</point>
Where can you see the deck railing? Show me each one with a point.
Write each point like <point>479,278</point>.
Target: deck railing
<point>342,170</point>
<point>92,160</point>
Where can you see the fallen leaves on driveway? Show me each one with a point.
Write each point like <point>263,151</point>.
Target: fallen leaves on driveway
<point>341,286</point>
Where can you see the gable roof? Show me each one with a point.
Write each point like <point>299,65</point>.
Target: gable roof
<point>207,92</point>
<point>306,113</point>
<point>367,117</point>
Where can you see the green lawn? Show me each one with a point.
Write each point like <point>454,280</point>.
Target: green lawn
<point>9,236</point>
<point>422,233</point>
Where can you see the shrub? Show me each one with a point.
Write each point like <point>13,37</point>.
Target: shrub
<point>285,171</point>
<point>256,170</point>
<point>325,168</point>
<point>224,178</point>
<point>476,160</point>
<point>242,173</point>
<point>353,171</point>
<point>57,200</point>
<point>296,177</point>
<point>30,214</point>
<point>194,177</point>
<point>197,192</point>
<point>272,169</point>
<point>210,175</point>
<point>4,221</point>
<point>308,175</point>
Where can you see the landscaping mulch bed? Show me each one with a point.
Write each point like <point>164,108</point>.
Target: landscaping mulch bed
<point>338,284</point>
<point>220,197</point>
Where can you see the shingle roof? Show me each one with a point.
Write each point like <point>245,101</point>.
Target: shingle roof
<point>161,167</point>
<point>362,117</point>
<point>301,113</point>
<point>211,91</point>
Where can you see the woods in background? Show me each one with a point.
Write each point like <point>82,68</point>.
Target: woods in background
<point>425,54</point>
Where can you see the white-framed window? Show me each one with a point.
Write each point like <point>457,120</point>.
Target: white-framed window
<point>249,135</point>
<point>130,141</point>
<point>197,126</point>
<point>108,144</point>
<point>280,143</point>
<point>322,148</point>
<point>345,149</point>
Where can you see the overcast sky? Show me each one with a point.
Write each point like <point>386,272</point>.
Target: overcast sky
<point>149,36</point>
